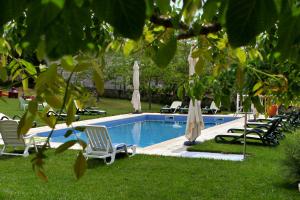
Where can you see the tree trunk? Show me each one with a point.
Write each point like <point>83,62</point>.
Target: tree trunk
<point>149,94</point>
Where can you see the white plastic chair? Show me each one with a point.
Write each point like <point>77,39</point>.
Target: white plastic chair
<point>173,108</point>
<point>23,103</point>
<point>100,145</point>
<point>8,130</point>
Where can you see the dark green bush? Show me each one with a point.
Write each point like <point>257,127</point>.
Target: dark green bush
<point>292,158</point>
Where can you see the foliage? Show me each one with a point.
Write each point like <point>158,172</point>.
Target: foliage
<point>292,159</point>
<point>256,40</point>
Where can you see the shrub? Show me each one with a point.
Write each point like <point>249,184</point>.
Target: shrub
<point>292,158</point>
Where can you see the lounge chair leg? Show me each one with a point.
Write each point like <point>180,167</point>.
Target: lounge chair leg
<point>26,153</point>
<point>133,149</point>
<point>2,150</point>
<point>113,156</point>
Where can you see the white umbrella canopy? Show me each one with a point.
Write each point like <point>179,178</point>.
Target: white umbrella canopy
<point>194,119</point>
<point>135,100</point>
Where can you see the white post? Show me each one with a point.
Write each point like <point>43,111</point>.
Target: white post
<point>245,130</point>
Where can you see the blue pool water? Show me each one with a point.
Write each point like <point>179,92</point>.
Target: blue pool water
<point>143,130</point>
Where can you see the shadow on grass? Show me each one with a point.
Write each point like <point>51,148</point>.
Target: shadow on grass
<point>287,185</point>
<point>99,162</point>
<point>16,151</point>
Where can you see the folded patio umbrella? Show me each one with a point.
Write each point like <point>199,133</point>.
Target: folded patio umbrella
<point>135,101</point>
<point>194,119</point>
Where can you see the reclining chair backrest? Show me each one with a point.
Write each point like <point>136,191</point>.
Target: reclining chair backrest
<point>176,104</point>
<point>274,125</point>
<point>10,137</point>
<point>99,139</point>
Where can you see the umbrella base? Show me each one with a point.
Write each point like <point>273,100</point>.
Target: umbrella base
<point>190,143</point>
<point>137,112</point>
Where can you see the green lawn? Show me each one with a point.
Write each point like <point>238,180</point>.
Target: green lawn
<point>112,106</point>
<point>152,177</point>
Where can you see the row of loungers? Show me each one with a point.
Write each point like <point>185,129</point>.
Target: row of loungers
<point>267,131</point>
<point>176,106</point>
<point>79,111</point>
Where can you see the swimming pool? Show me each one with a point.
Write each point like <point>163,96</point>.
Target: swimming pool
<point>144,130</point>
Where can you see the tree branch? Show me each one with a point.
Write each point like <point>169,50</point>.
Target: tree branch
<point>168,23</point>
<point>188,32</point>
<point>205,30</point>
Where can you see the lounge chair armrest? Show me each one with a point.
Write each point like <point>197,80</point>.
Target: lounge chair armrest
<point>16,117</point>
<point>4,117</point>
<point>28,136</point>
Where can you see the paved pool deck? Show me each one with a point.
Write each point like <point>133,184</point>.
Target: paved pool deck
<point>173,147</point>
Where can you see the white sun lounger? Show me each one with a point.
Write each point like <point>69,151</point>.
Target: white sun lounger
<point>171,109</point>
<point>100,145</point>
<point>8,131</point>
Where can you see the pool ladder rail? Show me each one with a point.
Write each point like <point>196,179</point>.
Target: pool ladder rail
<point>170,118</point>
<point>219,120</point>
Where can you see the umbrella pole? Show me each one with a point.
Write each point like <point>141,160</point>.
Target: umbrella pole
<point>245,130</point>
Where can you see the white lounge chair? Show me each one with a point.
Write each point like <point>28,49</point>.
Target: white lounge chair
<point>8,130</point>
<point>88,111</point>
<point>100,145</point>
<point>171,109</point>
<point>23,103</point>
<point>16,118</point>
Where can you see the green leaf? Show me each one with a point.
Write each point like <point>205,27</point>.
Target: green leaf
<point>30,68</point>
<point>210,9</point>
<point>247,18</point>
<point>63,35</point>
<point>240,77</point>
<point>128,47</point>
<point>98,80</point>
<point>58,3</point>
<point>63,147</point>
<point>149,7</point>
<point>163,5</point>
<point>79,128</point>
<point>33,106</point>
<point>80,165</point>
<point>241,55</point>
<point>3,74</point>
<point>180,92</point>
<point>71,111</point>
<point>18,50</point>
<point>126,16</point>
<point>82,143</point>
<point>166,52</point>
<point>258,105</point>
<point>11,9</point>
<point>289,34</point>
<point>25,82</point>
<point>257,86</point>
<point>200,66</point>
<point>41,50</point>
<point>190,8</point>
<point>25,123</point>
<point>68,63</point>
<point>82,64</point>
<point>68,133</point>
<point>53,100</point>
<point>49,120</point>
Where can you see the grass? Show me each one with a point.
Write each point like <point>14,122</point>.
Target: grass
<point>112,106</point>
<point>152,177</point>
